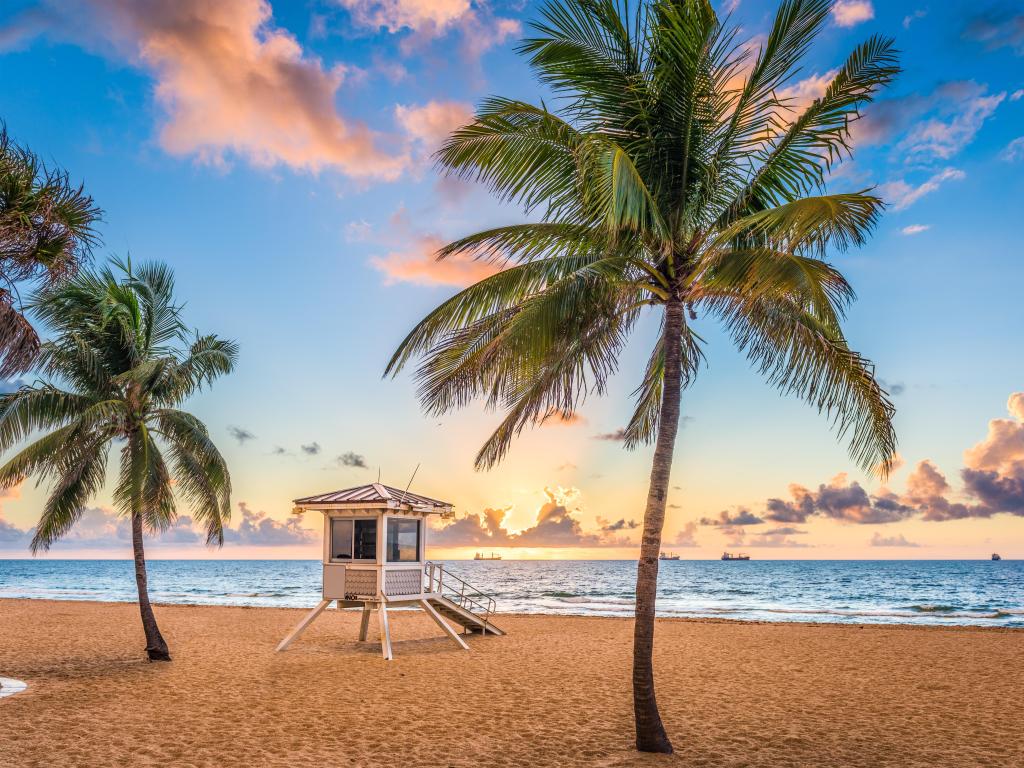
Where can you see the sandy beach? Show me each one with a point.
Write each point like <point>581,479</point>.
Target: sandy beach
<point>554,692</point>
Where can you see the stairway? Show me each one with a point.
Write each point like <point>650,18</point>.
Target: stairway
<point>466,619</point>
<point>459,602</point>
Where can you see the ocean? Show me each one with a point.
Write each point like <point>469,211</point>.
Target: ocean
<point>938,592</point>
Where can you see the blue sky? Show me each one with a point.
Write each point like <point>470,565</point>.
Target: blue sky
<point>277,156</point>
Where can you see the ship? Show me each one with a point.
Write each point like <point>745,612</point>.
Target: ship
<point>491,556</point>
<point>668,556</point>
<point>730,556</point>
<point>995,556</point>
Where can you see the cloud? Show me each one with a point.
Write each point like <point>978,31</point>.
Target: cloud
<point>726,518</point>
<point>433,16</point>
<point>241,435</point>
<point>232,84</point>
<point>849,13</point>
<point>279,451</point>
<point>795,511</point>
<point>686,537</point>
<point>10,534</point>
<point>556,526</point>
<point>311,449</point>
<point>937,124</point>
<point>912,17</point>
<point>944,137</point>
<point>992,483</point>
<point>915,229</point>
<point>899,540</point>
<point>619,525</point>
<point>351,459</point>
<point>418,263</point>
<point>995,29</point>
<point>429,124</point>
<point>1014,150</point>
<point>414,258</point>
<point>802,94</point>
<point>895,388</point>
<point>775,538</point>
<point>426,20</point>
<point>618,436</point>
<point>903,195</point>
<point>557,418</point>
<point>257,529</point>
<point>358,231</point>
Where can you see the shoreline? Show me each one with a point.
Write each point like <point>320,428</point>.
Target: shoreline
<point>513,614</point>
<point>517,615</point>
<point>555,691</point>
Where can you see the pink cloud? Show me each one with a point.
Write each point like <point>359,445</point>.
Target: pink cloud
<point>802,94</point>
<point>417,15</point>
<point>430,123</point>
<point>231,83</point>
<point>418,263</point>
<point>557,525</point>
<point>992,484</point>
<point>1002,450</point>
<point>849,13</point>
<point>429,19</point>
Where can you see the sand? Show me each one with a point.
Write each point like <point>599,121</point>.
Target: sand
<point>554,692</point>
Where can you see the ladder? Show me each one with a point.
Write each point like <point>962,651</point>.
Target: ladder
<point>459,602</point>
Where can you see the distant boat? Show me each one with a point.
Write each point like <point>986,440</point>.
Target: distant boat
<point>491,556</point>
<point>729,556</point>
<point>668,556</point>
<point>995,556</point>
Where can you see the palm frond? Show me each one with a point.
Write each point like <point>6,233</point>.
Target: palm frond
<point>802,356</point>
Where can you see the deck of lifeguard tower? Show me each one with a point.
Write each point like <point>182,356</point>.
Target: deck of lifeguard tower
<point>374,545</point>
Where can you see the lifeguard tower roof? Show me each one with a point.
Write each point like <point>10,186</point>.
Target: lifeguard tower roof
<point>376,493</point>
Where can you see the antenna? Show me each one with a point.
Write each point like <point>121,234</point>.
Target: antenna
<point>378,474</point>
<point>406,491</point>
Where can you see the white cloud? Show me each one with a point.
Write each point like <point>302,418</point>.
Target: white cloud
<point>903,195</point>
<point>915,229</point>
<point>943,138</point>
<point>849,13</point>
<point>1014,150</point>
<point>912,17</point>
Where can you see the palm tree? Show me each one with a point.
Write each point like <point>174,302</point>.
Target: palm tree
<point>676,178</point>
<point>47,230</point>
<point>120,363</point>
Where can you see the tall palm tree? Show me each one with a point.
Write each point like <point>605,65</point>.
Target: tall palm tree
<point>675,177</point>
<point>120,363</point>
<point>47,231</point>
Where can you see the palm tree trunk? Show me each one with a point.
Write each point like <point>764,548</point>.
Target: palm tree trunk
<point>650,733</point>
<point>156,648</point>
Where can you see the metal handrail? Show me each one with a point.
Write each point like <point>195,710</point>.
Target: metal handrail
<point>436,575</point>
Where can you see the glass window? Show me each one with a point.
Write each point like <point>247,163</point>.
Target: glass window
<point>366,540</point>
<point>403,541</point>
<point>341,539</point>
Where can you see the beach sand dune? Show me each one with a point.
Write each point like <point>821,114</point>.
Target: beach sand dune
<point>554,692</point>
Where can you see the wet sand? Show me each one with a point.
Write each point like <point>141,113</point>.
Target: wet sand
<point>554,692</point>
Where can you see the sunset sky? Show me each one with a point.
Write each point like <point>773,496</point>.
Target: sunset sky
<point>277,155</point>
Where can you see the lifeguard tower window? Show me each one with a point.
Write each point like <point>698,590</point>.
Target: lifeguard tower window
<point>403,541</point>
<point>354,540</point>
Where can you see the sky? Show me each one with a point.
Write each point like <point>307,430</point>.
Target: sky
<point>277,156</point>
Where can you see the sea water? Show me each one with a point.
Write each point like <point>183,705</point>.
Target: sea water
<point>940,592</point>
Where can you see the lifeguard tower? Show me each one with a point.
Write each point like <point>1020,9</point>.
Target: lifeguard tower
<point>375,541</point>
